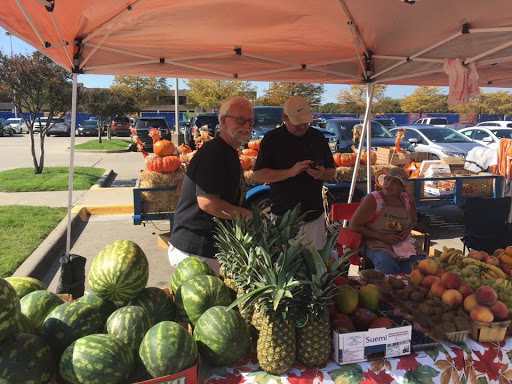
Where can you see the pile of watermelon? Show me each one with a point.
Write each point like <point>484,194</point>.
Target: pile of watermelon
<point>121,332</point>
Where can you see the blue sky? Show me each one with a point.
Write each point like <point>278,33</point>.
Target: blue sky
<point>104,81</point>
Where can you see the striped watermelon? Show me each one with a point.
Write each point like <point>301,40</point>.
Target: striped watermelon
<point>167,348</point>
<point>222,336</point>
<point>187,268</point>
<point>23,324</point>
<point>119,271</point>
<point>157,302</point>
<point>199,293</point>
<point>69,322</point>
<point>37,305</point>
<point>25,284</point>
<point>96,359</point>
<point>104,307</point>
<point>129,324</point>
<point>9,309</point>
<point>26,359</point>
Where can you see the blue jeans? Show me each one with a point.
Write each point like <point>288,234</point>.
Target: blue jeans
<point>385,263</point>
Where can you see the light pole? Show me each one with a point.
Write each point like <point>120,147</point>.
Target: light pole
<point>7,33</point>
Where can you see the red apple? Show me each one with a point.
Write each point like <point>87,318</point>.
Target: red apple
<point>341,280</point>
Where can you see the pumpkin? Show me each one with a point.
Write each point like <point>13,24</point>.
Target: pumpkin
<point>245,163</point>
<point>344,159</point>
<point>254,144</point>
<point>184,148</point>
<point>163,148</point>
<point>373,157</point>
<point>250,152</point>
<point>165,164</point>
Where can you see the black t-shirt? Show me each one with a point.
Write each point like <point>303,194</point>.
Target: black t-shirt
<point>214,169</point>
<point>279,149</point>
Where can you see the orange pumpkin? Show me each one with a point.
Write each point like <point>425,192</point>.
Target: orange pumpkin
<point>246,163</point>
<point>254,144</point>
<point>373,157</point>
<point>184,148</point>
<point>250,152</point>
<point>163,148</point>
<point>344,159</point>
<point>167,164</point>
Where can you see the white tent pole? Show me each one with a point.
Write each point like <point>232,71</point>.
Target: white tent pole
<point>71,162</point>
<point>368,127</point>
<point>176,109</point>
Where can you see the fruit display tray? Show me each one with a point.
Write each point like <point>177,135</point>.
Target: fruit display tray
<point>489,332</point>
<point>419,340</point>
<point>453,336</point>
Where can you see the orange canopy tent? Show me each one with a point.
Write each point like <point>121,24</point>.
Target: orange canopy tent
<point>328,41</point>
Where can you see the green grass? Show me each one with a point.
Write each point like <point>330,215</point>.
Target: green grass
<point>105,144</point>
<point>22,229</point>
<point>51,179</point>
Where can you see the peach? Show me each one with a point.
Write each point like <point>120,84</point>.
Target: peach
<point>493,260</point>
<point>483,255</point>
<point>450,280</point>
<point>437,289</point>
<point>427,266</point>
<point>429,280</point>
<point>439,273</point>
<point>498,253</point>
<point>507,268</point>
<point>481,313</point>
<point>416,276</point>
<point>499,310</point>
<point>470,302</point>
<point>508,250</point>
<point>475,255</point>
<point>465,290</point>
<point>452,297</point>
<point>485,295</point>
<point>381,322</point>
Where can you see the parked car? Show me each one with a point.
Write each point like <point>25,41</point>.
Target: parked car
<point>60,126</point>
<point>142,128</point>
<point>266,118</point>
<point>502,124</point>
<point>5,129</point>
<point>88,127</point>
<point>437,121</point>
<point>198,121</point>
<point>17,124</point>
<point>388,123</point>
<point>120,126</point>
<point>489,136</point>
<point>459,126</point>
<point>342,128</point>
<point>438,141</point>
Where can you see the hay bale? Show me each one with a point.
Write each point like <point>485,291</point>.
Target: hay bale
<point>345,173</point>
<point>160,201</point>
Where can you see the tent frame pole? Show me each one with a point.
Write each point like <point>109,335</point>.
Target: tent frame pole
<point>71,162</point>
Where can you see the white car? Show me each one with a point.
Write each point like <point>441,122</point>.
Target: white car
<point>487,135</point>
<point>17,124</point>
<point>58,125</point>
<point>437,121</point>
<point>498,123</point>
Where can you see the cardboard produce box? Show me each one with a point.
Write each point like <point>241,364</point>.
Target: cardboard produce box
<point>391,156</point>
<point>187,376</point>
<point>376,343</point>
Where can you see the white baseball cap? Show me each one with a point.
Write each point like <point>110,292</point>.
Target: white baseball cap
<point>297,109</point>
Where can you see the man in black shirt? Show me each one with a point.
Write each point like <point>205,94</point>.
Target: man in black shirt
<point>212,186</point>
<point>295,159</point>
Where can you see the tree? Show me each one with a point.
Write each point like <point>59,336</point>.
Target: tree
<point>329,108</point>
<point>277,93</point>
<point>144,91</point>
<point>35,84</point>
<point>209,94</point>
<point>387,105</point>
<point>499,102</point>
<point>425,99</point>
<point>107,103</point>
<point>354,99</point>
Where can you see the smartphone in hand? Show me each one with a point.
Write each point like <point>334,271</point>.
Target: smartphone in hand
<point>315,163</point>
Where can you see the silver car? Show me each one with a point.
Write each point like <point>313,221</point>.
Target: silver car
<point>17,124</point>
<point>439,141</point>
<point>487,135</point>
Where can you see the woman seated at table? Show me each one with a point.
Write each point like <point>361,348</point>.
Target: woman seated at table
<point>385,219</point>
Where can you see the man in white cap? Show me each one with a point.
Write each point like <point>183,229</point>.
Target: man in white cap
<point>295,159</point>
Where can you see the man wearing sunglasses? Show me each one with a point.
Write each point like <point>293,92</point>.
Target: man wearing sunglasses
<point>295,159</point>
<point>212,186</point>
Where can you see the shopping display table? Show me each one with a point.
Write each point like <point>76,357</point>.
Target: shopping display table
<point>469,362</point>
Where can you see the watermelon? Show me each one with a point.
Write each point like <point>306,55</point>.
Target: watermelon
<point>26,359</point>
<point>23,324</point>
<point>199,293</point>
<point>157,302</point>
<point>167,348</point>
<point>129,324</point>
<point>104,307</point>
<point>119,271</point>
<point>96,359</point>
<point>37,305</point>
<point>187,268</point>
<point>69,322</point>
<point>25,284</point>
<point>9,309</point>
<point>222,336</point>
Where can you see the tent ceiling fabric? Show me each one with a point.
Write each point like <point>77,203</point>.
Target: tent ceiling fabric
<point>288,40</point>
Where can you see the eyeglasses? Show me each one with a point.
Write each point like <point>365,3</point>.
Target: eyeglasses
<point>242,120</point>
